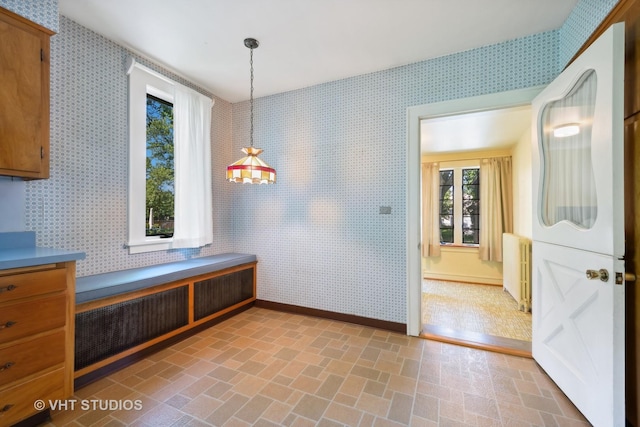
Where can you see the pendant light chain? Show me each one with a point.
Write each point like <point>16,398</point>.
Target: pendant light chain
<point>251,169</point>
<point>251,98</point>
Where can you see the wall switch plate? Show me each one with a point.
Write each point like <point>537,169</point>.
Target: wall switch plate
<point>385,210</point>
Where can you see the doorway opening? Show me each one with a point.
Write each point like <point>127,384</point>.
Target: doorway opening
<point>462,131</point>
<point>462,295</point>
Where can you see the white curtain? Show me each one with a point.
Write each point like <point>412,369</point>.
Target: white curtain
<point>193,225</point>
<point>569,183</point>
<point>496,206</point>
<point>430,209</point>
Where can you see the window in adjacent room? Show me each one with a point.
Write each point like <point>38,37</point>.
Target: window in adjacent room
<point>460,206</point>
<point>471,206</point>
<point>447,190</point>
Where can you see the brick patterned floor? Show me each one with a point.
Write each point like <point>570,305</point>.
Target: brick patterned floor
<point>267,368</point>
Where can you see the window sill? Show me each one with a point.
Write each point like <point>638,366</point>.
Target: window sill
<point>150,245</point>
<point>458,248</point>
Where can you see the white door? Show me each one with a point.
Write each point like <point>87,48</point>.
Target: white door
<point>578,231</point>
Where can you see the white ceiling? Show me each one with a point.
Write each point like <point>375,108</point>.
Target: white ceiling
<point>474,131</point>
<point>305,42</point>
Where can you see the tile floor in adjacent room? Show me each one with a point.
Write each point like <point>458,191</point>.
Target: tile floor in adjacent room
<point>268,368</point>
<point>472,307</point>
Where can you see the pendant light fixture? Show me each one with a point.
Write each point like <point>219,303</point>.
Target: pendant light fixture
<point>251,169</point>
<point>566,130</point>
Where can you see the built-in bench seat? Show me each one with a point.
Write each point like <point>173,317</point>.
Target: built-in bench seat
<point>104,285</point>
<point>120,314</point>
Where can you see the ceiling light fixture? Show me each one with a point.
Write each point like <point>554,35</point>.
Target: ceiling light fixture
<point>251,169</point>
<point>566,130</point>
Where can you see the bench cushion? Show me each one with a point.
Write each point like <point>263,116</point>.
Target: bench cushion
<point>99,286</point>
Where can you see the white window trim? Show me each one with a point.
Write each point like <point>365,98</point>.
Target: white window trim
<point>142,81</point>
<point>457,167</point>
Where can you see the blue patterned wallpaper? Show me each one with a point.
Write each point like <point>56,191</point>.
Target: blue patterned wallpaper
<point>582,22</point>
<point>339,149</point>
<point>11,193</point>
<point>340,152</point>
<point>83,206</point>
<point>43,12</point>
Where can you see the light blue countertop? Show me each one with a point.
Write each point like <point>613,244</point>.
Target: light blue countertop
<point>18,249</point>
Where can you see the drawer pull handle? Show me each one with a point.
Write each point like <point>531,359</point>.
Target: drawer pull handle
<point>5,408</point>
<point>6,366</point>
<point>7,288</point>
<point>8,324</point>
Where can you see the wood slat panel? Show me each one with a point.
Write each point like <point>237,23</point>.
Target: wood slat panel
<point>108,331</point>
<point>217,293</point>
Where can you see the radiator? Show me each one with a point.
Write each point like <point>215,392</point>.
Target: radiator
<point>109,330</point>
<point>113,329</point>
<point>217,293</point>
<point>516,269</point>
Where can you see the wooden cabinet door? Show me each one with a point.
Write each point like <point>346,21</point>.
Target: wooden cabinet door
<point>24,97</point>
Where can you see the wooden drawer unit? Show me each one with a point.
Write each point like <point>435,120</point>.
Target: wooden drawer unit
<point>16,286</point>
<point>16,402</point>
<point>28,357</point>
<point>23,319</point>
<point>36,337</point>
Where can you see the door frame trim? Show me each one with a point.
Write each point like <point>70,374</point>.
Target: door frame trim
<point>493,101</point>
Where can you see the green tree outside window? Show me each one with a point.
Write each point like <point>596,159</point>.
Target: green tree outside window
<point>160,193</point>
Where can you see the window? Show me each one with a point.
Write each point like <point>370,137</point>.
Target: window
<point>446,206</point>
<point>169,164</point>
<point>160,179</point>
<point>471,206</point>
<point>460,205</point>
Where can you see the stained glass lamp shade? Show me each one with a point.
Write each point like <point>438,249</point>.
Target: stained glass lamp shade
<point>251,169</point>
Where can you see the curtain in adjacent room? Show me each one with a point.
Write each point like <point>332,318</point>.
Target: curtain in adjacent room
<point>193,202</point>
<point>430,209</point>
<point>496,206</point>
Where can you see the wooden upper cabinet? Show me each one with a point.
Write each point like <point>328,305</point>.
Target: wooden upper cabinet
<point>24,97</point>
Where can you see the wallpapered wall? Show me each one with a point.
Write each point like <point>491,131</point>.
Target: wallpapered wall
<point>84,204</point>
<point>43,12</point>
<point>339,149</point>
<point>340,152</point>
<point>584,19</point>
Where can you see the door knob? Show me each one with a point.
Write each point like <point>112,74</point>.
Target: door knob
<point>601,274</point>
